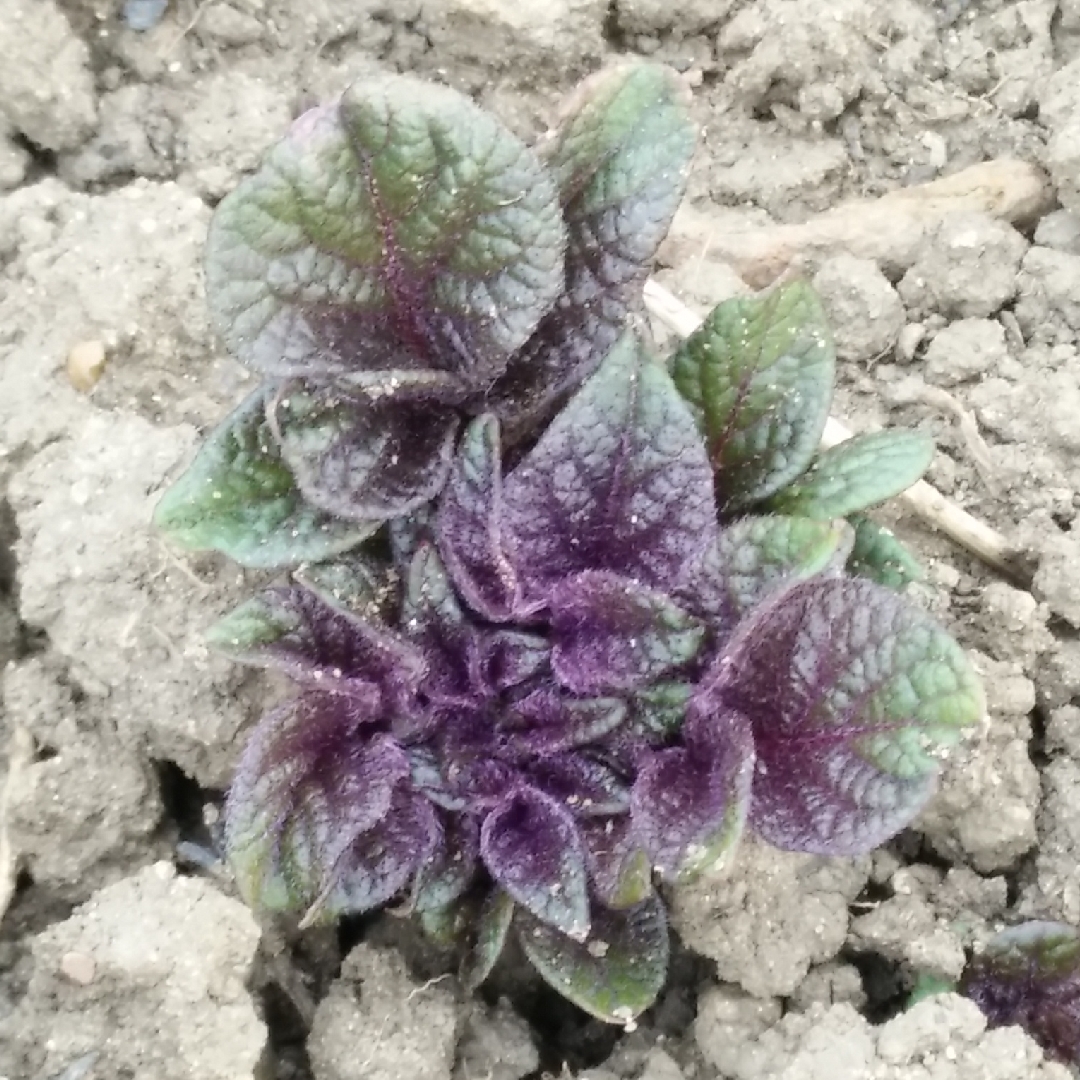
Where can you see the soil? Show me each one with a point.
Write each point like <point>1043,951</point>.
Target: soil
<point>125,955</point>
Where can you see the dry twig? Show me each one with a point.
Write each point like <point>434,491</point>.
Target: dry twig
<point>922,498</point>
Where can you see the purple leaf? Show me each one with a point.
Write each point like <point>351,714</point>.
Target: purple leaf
<point>471,528</point>
<point>611,634</point>
<point>852,694</point>
<point>289,628</point>
<point>1030,975</point>
<point>511,657</point>
<point>755,557</point>
<point>621,157</point>
<point>586,787</point>
<point>619,868</point>
<point>381,862</point>
<point>547,721</point>
<point>617,972</point>
<point>398,230</point>
<point>531,846</point>
<point>689,803</point>
<point>362,462</point>
<point>313,778</point>
<point>471,759</point>
<point>619,481</point>
<point>452,867</point>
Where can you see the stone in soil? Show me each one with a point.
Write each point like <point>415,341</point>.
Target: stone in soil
<point>149,976</point>
<point>377,1023</point>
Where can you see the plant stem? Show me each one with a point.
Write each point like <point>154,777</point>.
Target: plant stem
<point>922,498</point>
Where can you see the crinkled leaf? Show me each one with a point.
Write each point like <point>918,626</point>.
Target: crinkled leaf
<point>689,803</point>
<point>358,585</point>
<point>758,376</point>
<point>310,781</point>
<point>755,557</point>
<point>289,628</point>
<point>470,765</point>
<point>617,972</point>
<point>619,481</point>
<point>531,846</point>
<point>610,633</point>
<point>407,533</point>
<point>586,787</point>
<point>239,497</point>
<point>619,868</point>
<point>492,930</point>
<point>381,862</point>
<point>852,694</point>
<point>1030,975</point>
<point>879,556</point>
<point>659,710</point>
<point>621,158</point>
<point>364,463</point>
<point>547,721</point>
<point>452,867</point>
<point>858,473</point>
<point>510,657</point>
<point>401,228</point>
<point>471,528</point>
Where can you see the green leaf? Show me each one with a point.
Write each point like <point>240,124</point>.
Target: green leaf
<point>879,556</point>
<point>857,474</point>
<point>758,376</point>
<point>621,157</point>
<point>398,229</point>
<point>614,975</point>
<point>755,557</point>
<point>493,928</point>
<point>660,709</point>
<point>239,498</point>
<point>357,585</point>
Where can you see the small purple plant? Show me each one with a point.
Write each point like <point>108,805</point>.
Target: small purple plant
<point>1030,975</point>
<point>585,685</point>
<point>601,621</point>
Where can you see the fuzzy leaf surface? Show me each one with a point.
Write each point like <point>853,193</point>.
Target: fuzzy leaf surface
<point>1030,975</point>
<point>755,557</point>
<point>689,803</point>
<point>619,868</point>
<point>619,481</point>
<point>291,629</point>
<point>858,473</point>
<point>492,931</point>
<point>614,975</point>
<point>364,463</point>
<point>239,497</point>
<point>758,376</point>
<point>398,229</point>
<point>471,526</point>
<point>621,158</point>
<point>311,786</point>
<point>879,556</point>
<point>611,634</point>
<point>549,720</point>
<point>852,694</point>
<point>531,847</point>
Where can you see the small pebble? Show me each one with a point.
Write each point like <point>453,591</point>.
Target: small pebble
<point>78,967</point>
<point>144,14</point>
<point>85,363</point>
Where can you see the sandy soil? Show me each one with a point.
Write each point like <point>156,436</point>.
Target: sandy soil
<point>957,310</point>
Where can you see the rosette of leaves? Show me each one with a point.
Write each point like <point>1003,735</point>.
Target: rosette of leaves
<point>1030,975</point>
<point>401,263</point>
<point>758,376</point>
<point>581,687</point>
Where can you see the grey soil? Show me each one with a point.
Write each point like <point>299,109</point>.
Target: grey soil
<point>958,315</point>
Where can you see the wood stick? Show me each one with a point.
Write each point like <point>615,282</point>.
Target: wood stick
<point>922,498</point>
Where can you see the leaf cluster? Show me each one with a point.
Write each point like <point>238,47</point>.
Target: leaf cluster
<point>608,612</point>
